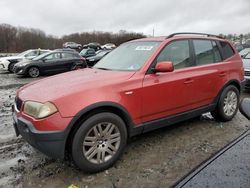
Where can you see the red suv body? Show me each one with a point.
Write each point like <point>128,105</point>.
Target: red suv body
<point>142,85</point>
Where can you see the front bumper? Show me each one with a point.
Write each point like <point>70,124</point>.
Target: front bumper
<point>247,84</point>
<point>19,70</point>
<point>51,143</point>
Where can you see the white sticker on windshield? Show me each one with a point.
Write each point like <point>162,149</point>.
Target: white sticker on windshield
<point>147,48</point>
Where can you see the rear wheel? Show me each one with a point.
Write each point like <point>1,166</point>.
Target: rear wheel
<point>228,104</point>
<point>99,142</point>
<point>33,72</point>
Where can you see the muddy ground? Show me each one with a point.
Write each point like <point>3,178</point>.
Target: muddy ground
<point>156,159</point>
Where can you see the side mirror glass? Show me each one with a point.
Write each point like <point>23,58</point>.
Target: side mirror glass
<point>164,66</point>
<point>245,107</point>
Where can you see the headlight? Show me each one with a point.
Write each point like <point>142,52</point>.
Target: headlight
<point>23,64</point>
<point>39,110</point>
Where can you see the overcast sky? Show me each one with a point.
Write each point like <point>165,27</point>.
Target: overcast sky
<point>59,17</point>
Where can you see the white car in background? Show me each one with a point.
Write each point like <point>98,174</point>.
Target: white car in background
<point>244,52</point>
<point>108,46</point>
<point>246,64</point>
<point>7,63</point>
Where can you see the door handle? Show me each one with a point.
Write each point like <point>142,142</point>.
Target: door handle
<point>221,74</point>
<point>188,81</point>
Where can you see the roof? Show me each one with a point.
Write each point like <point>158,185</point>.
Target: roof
<point>183,35</point>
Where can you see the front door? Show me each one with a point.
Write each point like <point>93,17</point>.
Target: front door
<point>166,94</point>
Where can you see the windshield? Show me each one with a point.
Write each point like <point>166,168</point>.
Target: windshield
<point>244,51</point>
<point>83,52</point>
<point>128,57</point>
<point>41,56</point>
<point>24,53</point>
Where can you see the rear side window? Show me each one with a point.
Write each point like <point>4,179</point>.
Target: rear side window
<point>68,55</point>
<point>206,52</point>
<point>203,52</point>
<point>178,53</point>
<point>226,50</point>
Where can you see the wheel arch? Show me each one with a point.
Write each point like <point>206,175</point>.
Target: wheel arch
<point>235,83</point>
<point>87,112</point>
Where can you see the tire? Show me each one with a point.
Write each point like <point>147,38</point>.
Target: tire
<point>75,67</point>
<point>34,72</point>
<point>11,67</point>
<point>228,104</point>
<point>89,143</point>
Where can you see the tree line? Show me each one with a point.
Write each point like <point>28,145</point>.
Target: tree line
<point>18,39</point>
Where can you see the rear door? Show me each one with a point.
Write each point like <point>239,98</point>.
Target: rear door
<point>169,93</point>
<point>210,73</point>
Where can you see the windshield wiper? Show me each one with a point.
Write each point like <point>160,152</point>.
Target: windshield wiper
<point>102,68</point>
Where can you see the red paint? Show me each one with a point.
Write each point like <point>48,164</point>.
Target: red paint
<point>153,96</point>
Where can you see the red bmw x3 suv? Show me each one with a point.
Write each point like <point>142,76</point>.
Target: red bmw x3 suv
<point>142,85</point>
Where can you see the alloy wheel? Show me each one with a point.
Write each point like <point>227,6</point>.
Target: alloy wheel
<point>34,72</point>
<point>101,142</point>
<point>230,103</point>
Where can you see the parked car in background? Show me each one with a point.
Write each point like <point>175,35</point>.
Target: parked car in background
<point>91,61</point>
<point>7,63</point>
<point>246,64</point>
<point>109,46</point>
<point>56,61</point>
<point>72,45</point>
<point>142,85</point>
<point>238,46</point>
<point>94,45</point>
<point>244,52</point>
<point>87,52</point>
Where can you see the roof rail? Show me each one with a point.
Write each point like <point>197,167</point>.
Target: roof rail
<point>191,33</point>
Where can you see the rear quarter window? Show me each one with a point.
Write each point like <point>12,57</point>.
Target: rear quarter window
<point>227,50</point>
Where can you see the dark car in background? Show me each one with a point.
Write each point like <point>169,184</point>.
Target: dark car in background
<point>91,61</point>
<point>56,61</point>
<point>72,45</point>
<point>87,52</point>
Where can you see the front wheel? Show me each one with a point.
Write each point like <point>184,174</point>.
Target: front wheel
<point>99,142</point>
<point>228,104</point>
<point>33,72</point>
<point>11,67</point>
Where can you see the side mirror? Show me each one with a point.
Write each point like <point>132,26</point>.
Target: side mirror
<point>245,107</point>
<point>164,66</point>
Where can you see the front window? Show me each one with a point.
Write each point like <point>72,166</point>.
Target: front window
<point>128,57</point>
<point>52,56</point>
<point>178,53</point>
<point>41,56</point>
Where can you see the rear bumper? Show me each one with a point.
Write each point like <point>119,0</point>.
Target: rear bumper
<point>51,143</point>
<point>3,66</point>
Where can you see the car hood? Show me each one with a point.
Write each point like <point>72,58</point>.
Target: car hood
<point>23,62</point>
<point>11,58</point>
<point>55,87</point>
<point>94,58</point>
<point>246,64</point>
